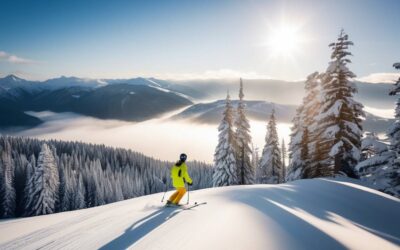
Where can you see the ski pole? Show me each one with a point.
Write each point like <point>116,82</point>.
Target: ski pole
<point>187,203</point>
<point>162,200</point>
<point>166,188</point>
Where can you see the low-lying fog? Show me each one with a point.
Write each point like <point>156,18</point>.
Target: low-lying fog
<point>160,138</point>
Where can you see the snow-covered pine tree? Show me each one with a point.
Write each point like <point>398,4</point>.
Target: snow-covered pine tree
<point>225,171</point>
<point>62,188</point>
<point>270,168</point>
<point>379,168</point>
<point>8,190</point>
<point>312,105</point>
<point>283,151</point>
<point>45,181</point>
<point>85,180</point>
<point>371,146</point>
<point>20,171</point>
<point>79,196</point>
<point>255,158</point>
<point>29,182</point>
<point>339,121</point>
<point>245,170</point>
<point>393,170</point>
<point>394,130</point>
<point>305,118</point>
<point>309,169</point>
<point>296,165</point>
<point>376,157</point>
<point>1,188</point>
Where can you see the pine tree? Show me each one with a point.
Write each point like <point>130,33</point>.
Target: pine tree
<point>1,188</point>
<point>283,151</point>
<point>85,183</point>
<point>62,188</point>
<point>20,171</point>
<point>393,169</point>
<point>8,190</point>
<point>245,170</point>
<point>29,182</point>
<point>225,171</point>
<point>309,169</point>
<point>45,182</point>
<point>79,197</point>
<point>394,130</point>
<point>296,165</point>
<point>339,122</point>
<point>270,168</point>
<point>255,158</point>
<point>378,167</point>
<point>305,118</point>
<point>374,155</point>
<point>312,105</point>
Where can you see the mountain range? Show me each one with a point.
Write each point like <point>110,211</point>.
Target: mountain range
<point>131,100</point>
<point>139,99</point>
<point>284,92</point>
<point>211,113</point>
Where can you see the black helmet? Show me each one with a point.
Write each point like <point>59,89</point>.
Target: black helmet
<point>183,157</point>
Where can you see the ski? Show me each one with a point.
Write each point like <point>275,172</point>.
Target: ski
<point>196,204</point>
<point>185,207</point>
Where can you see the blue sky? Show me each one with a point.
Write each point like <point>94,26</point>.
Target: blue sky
<point>192,39</point>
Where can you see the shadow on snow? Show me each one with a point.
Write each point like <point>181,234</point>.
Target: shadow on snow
<point>277,203</point>
<point>141,228</point>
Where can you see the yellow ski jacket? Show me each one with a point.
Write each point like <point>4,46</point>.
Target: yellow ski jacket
<point>179,175</point>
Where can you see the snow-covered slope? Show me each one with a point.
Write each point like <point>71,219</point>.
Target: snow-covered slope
<point>306,214</point>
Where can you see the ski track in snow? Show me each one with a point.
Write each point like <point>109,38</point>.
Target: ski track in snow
<point>307,214</point>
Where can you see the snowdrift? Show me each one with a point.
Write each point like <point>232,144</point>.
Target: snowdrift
<point>306,214</point>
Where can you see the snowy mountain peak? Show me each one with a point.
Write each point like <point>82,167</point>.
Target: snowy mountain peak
<point>12,78</point>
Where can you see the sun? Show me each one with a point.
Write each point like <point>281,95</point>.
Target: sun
<point>284,40</point>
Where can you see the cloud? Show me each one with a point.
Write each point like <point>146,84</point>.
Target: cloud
<point>380,78</point>
<point>4,56</point>
<point>216,74</point>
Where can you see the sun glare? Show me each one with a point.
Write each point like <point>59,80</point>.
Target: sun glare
<point>284,40</point>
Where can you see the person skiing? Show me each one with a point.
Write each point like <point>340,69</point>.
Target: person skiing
<point>179,176</point>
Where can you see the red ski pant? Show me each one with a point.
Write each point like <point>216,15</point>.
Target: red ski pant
<point>177,196</point>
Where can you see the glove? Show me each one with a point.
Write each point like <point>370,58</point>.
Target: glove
<point>190,183</point>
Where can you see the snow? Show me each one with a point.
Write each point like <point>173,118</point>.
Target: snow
<point>332,111</point>
<point>336,148</point>
<point>153,82</point>
<point>16,79</point>
<point>158,87</point>
<point>371,141</point>
<point>102,82</point>
<point>305,214</point>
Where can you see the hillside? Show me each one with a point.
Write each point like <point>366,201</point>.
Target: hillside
<point>306,214</point>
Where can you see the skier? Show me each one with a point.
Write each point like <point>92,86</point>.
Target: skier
<point>179,176</point>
